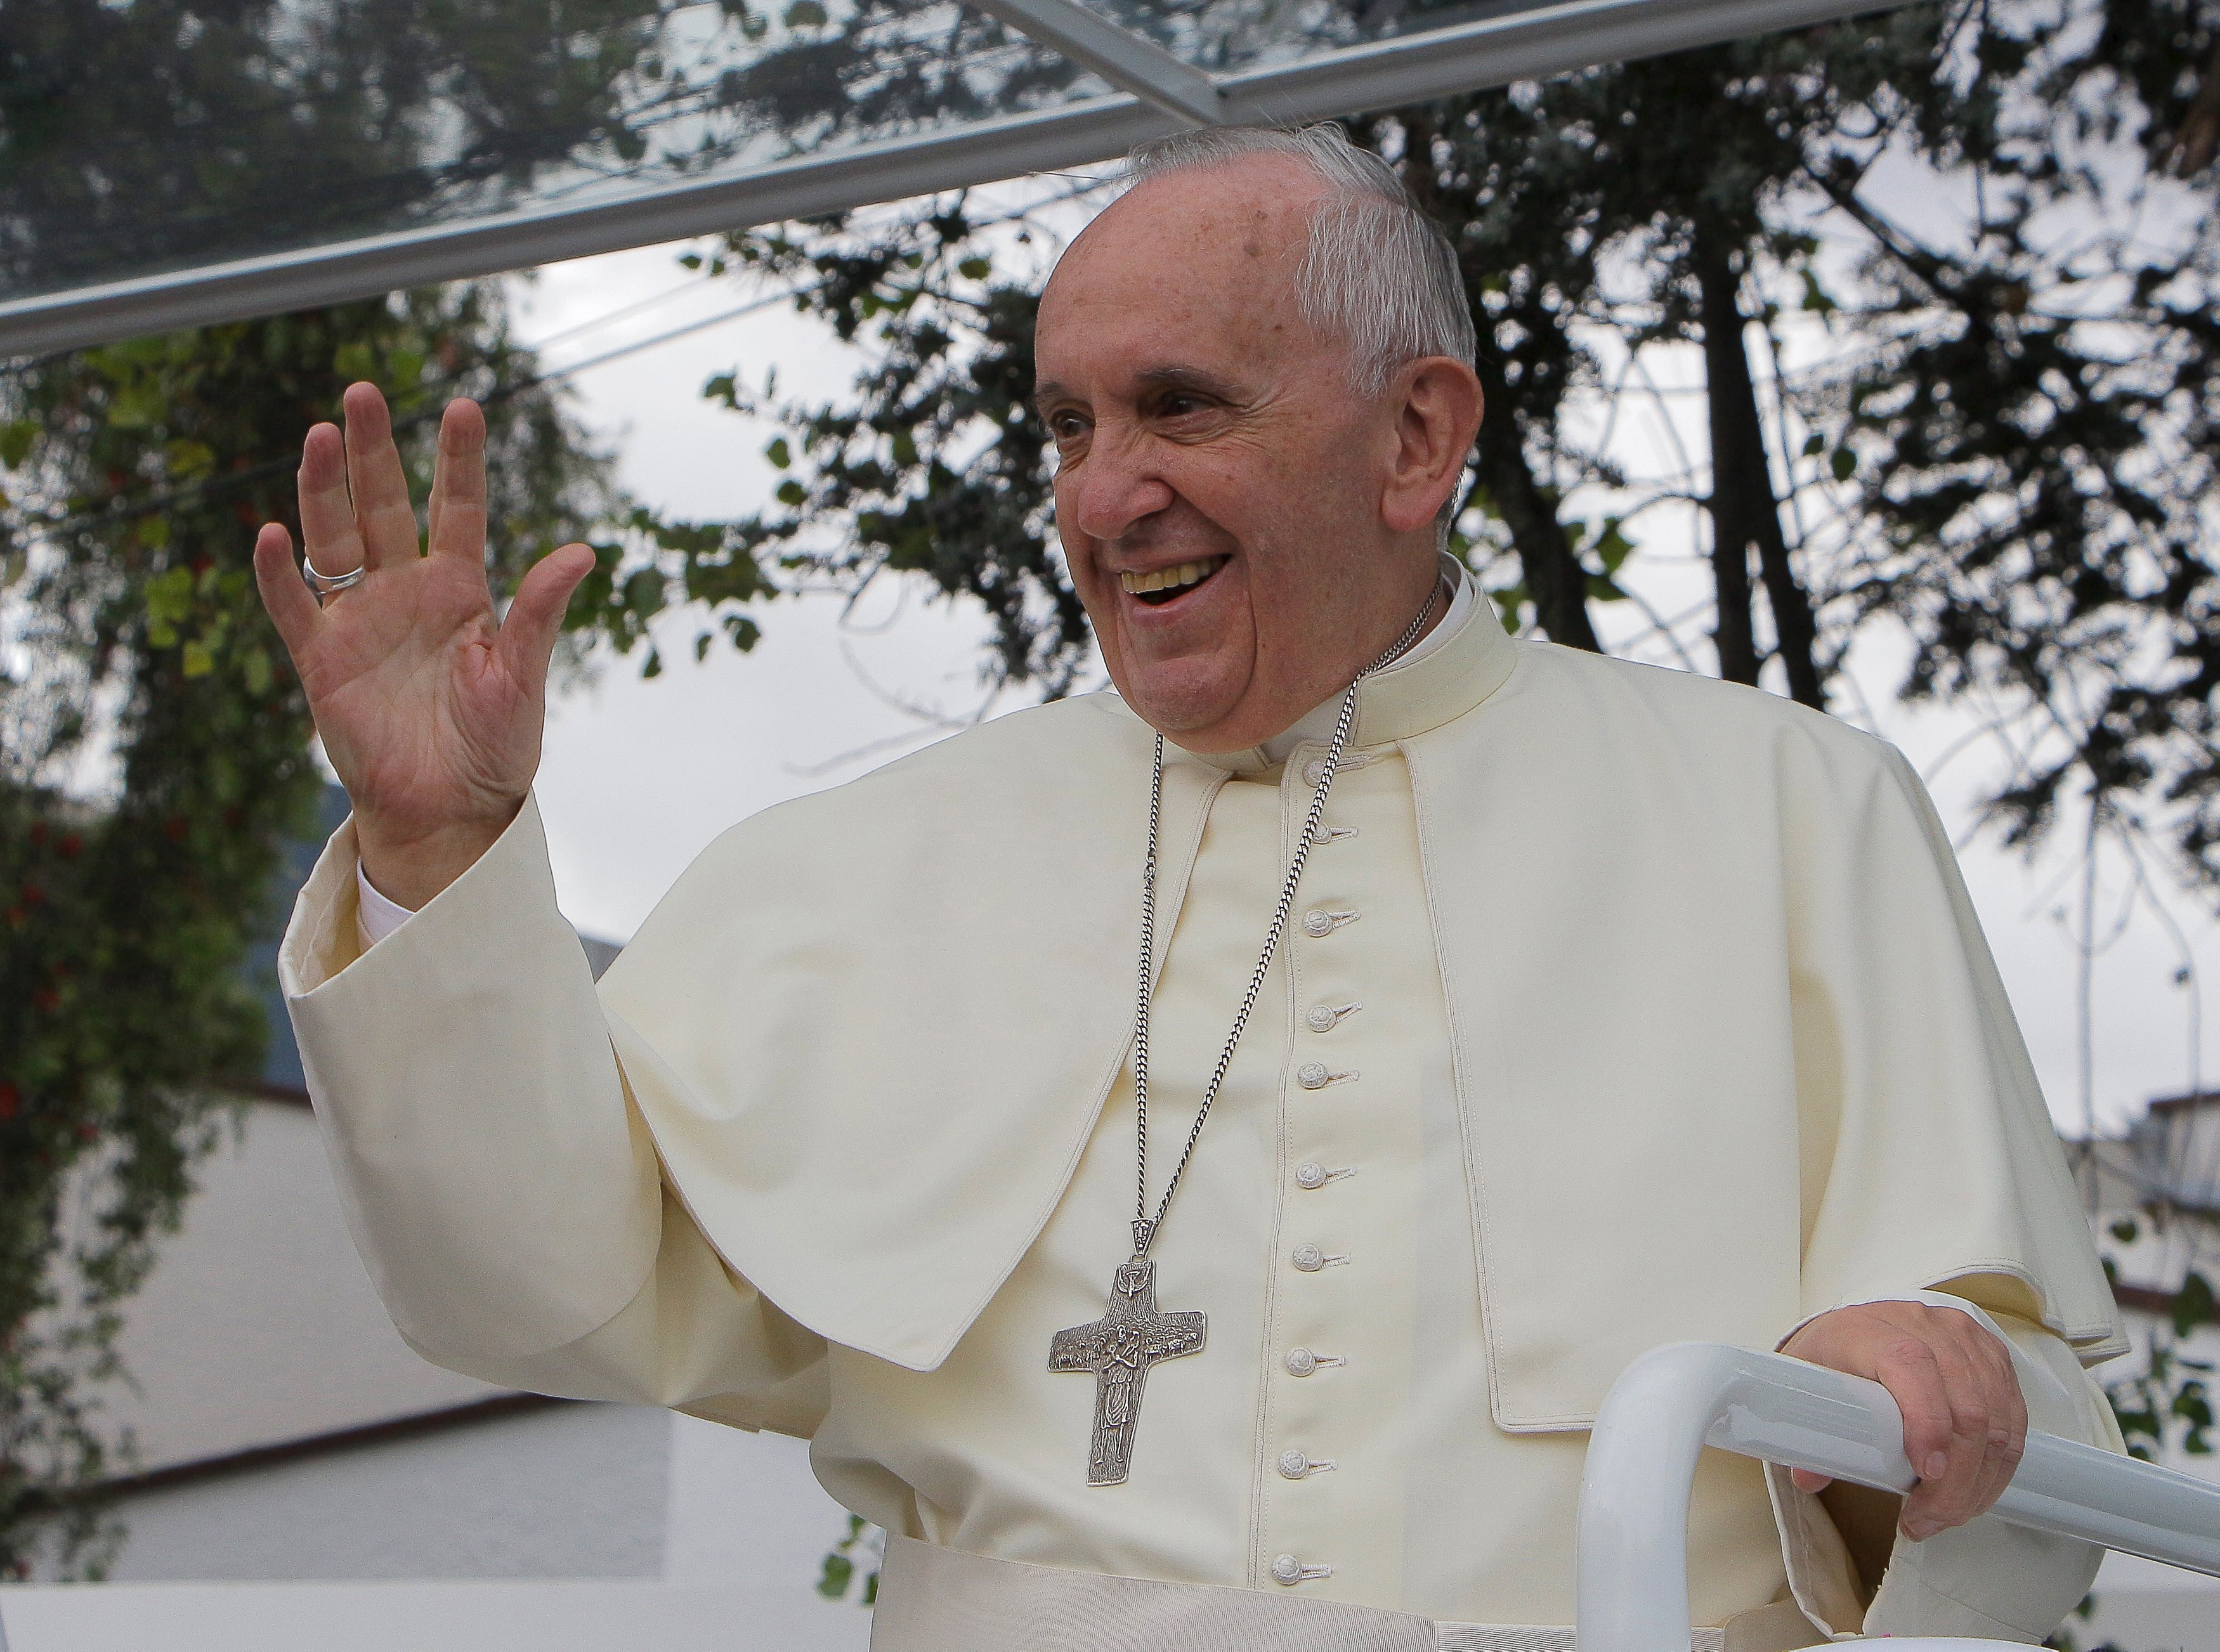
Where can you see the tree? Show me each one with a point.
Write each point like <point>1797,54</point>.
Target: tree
<point>154,751</point>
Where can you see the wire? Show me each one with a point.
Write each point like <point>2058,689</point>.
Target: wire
<point>194,492</point>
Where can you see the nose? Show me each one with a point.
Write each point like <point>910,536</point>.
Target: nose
<point>1115,487</point>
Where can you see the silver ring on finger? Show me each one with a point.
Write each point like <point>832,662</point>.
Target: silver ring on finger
<point>324,584</point>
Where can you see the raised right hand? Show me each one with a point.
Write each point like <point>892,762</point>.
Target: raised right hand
<point>431,711</point>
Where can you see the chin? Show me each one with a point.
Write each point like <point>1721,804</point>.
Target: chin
<point>1175,703</point>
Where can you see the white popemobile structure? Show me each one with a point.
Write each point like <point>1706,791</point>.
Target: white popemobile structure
<point>1674,1401</point>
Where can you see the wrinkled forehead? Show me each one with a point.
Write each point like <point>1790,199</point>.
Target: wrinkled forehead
<point>1210,253</point>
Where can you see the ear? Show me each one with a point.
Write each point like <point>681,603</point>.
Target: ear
<point>1437,405</point>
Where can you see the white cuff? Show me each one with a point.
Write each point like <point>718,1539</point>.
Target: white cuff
<point>374,917</point>
<point>1929,1299</point>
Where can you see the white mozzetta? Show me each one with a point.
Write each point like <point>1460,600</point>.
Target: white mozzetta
<point>1674,1024</point>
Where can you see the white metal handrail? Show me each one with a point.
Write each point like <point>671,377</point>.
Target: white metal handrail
<point>1632,1586</point>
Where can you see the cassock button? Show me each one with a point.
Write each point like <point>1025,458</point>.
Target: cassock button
<point>1310,1173</point>
<point>1309,1258</point>
<point>1318,921</point>
<point>1314,1076</point>
<point>1293,1465</point>
<point>1301,1362</point>
<point>1287,1569</point>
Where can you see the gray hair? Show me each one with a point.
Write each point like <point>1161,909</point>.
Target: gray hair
<point>1378,272</point>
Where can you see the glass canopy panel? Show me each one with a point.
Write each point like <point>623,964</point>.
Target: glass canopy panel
<point>1235,36</point>
<point>144,137</point>
<point>172,163</point>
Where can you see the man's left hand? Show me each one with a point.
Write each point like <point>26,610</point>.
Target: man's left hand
<point>1965,1422</point>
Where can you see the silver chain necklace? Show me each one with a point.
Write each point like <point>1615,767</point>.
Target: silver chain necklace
<point>1132,1336</point>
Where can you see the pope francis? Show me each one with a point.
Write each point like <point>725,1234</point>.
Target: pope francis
<point>1191,1159</point>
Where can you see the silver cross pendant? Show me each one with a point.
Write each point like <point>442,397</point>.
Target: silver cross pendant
<point>1119,1348</point>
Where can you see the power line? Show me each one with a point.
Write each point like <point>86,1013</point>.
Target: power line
<point>192,493</point>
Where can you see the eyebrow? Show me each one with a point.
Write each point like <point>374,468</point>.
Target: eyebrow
<point>1175,377</point>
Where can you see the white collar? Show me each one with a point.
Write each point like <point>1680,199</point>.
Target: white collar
<point>1316,728</point>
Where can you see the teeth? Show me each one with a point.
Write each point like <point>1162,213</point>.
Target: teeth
<point>1171,579</point>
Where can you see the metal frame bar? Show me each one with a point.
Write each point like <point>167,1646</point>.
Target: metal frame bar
<point>1551,40</point>
<point>1124,59</point>
<point>1631,1582</point>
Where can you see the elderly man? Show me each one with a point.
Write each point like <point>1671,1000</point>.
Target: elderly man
<point>1505,1011</point>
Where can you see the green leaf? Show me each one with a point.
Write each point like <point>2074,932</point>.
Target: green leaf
<point>196,658</point>
<point>2193,1305</point>
<point>976,269</point>
<point>2125,1230</point>
<point>137,407</point>
<point>16,439</point>
<point>187,458</point>
<point>839,1573</point>
<point>153,532</point>
<point>170,596</point>
<point>1814,445</point>
<point>354,360</point>
<point>791,492</point>
<point>254,671</point>
<point>1844,464</point>
<point>702,646</point>
<point>654,666</point>
<point>644,594</point>
<point>805,14</point>
<point>778,453</point>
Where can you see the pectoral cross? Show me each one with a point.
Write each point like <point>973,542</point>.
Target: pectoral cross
<point>1119,1348</point>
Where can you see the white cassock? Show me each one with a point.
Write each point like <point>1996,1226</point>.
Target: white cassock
<point>1621,1007</point>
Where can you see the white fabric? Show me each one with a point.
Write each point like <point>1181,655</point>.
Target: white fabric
<point>376,916</point>
<point>1675,1024</point>
<point>936,1600</point>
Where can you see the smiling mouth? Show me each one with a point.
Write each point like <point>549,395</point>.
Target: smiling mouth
<point>1165,584</point>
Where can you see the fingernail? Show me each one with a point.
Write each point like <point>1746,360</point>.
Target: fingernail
<point>1937,1463</point>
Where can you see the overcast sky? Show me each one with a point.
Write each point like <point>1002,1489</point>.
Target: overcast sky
<point>640,775</point>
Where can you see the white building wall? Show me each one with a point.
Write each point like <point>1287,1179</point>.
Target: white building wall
<point>570,1491</point>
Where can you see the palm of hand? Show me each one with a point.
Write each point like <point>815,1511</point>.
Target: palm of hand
<point>420,713</point>
<point>430,709</point>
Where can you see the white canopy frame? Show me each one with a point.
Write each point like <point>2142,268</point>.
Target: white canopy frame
<point>1158,94</point>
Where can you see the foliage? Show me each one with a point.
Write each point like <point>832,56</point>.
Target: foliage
<point>2165,1403</point>
<point>935,467</point>
<point>2037,423</point>
<point>154,751</point>
<point>850,1569</point>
